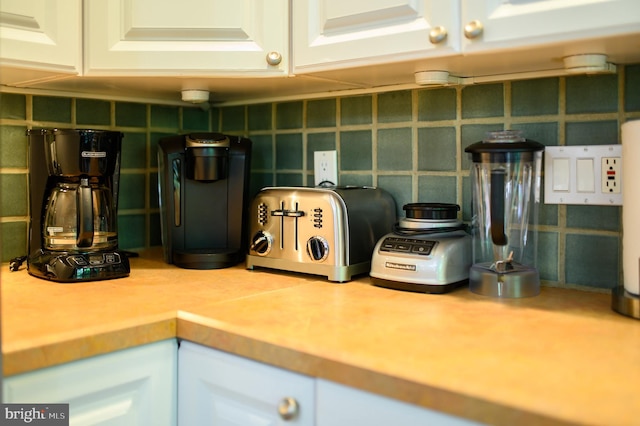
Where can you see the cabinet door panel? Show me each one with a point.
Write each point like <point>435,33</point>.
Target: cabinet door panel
<point>41,34</point>
<point>196,37</point>
<point>332,34</point>
<point>513,23</point>
<point>134,386</point>
<point>216,388</point>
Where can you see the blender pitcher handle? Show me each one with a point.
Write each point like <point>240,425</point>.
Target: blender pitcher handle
<point>84,203</point>
<point>497,208</point>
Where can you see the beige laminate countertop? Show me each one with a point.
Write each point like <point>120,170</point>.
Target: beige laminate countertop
<point>563,357</point>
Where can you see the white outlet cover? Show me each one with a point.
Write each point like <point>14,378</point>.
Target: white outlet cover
<point>325,167</point>
<point>571,190</point>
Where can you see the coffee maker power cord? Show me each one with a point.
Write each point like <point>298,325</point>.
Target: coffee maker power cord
<point>16,263</point>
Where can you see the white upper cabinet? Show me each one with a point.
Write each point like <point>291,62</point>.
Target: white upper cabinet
<point>332,34</point>
<point>43,35</point>
<point>498,24</point>
<point>187,37</point>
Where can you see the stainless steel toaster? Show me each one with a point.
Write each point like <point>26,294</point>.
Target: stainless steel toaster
<point>320,231</point>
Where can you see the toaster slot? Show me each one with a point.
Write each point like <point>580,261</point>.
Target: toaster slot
<point>283,213</point>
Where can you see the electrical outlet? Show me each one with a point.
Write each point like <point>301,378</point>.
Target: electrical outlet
<point>611,175</point>
<point>325,168</point>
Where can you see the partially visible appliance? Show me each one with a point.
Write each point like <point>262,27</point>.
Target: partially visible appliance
<point>73,185</point>
<point>626,297</point>
<point>429,251</point>
<point>203,183</point>
<point>505,185</point>
<point>321,231</point>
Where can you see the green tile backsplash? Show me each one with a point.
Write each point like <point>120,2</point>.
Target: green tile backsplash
<point>409,142</point>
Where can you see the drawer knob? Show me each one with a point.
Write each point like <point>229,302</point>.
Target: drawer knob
<point>288,408</point>
<point>437,34</point>
<point>274,58</point>
<point>473,29</point>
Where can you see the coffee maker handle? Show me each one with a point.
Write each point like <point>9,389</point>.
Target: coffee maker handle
<point>84,205</point>
<point>497,208</point>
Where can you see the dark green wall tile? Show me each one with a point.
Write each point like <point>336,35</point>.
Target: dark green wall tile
<point>356,110</point>
<point>319,142</point>
<point>605,218</point>
<point>165,116</point>
<point>215,114</point>
<point>400,189</point>
<point>591,133</point>
<point>13,195</point>
<point>134,150</point>
<point>258,181</point>
<point>132,230</point>
<point>356,150</point>
<point>129,114</point>
<point>437,148</point>
<point>632,88</point>
<point>437,189</point>
<point>195,119</point>
<point>134,195</point>
<point>592,93</point>
<point>14,240</point>
<point>321,113</point>
<point>93,111</point>
<point>548,256</point>
<point>51,108</point>
<point>289,151</point>
<point>394,149</point>
<point>437,104</point>
<point>483,100</point>
<point>592,260</point>
<point>394,106</point>
<point>260,116</point>
<point>545,133</point>
<point>289,115</point>
<point>153,147</point>
<point>261,152</point>
<point>288,179</point>
<point>355,180</point>
<point>232,118</point>
<point>13,105</point>
<point>534,97</point>
<point>13,146</point>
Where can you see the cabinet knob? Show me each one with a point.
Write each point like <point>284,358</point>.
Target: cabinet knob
<point>274,58</point>
<point>288,408</point>
<point>437,34</point>
<point>473,29</point>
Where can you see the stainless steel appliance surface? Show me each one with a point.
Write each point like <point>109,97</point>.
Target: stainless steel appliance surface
<point>320,231</point>
<point>429,251</point>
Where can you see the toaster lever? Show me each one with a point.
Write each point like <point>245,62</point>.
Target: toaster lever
<point>287,213</point>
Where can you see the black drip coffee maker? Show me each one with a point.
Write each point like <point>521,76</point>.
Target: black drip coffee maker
<point>73,177</point>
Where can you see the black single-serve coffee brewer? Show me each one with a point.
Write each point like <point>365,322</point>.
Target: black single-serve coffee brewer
<point>204,196</point>
<point>73,185</point>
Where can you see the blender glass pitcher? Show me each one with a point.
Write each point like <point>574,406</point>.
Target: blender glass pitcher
<point>505,179</point>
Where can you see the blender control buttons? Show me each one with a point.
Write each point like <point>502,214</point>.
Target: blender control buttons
<point>407,245</point>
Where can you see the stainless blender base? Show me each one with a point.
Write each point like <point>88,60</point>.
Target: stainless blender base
<point>523,283</point>
<point>625,303</point>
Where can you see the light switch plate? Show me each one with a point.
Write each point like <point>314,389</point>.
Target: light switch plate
<point>585,179</point>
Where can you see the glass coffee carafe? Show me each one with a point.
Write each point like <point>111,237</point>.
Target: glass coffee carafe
<point>505,179</point>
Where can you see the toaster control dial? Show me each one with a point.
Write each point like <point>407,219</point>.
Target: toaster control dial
<point>317,248</point>
<point>261,243</point>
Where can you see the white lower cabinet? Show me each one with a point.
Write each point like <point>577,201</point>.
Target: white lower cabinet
<point>135,386</point>
<point>217,388</point>
<point>339,405</point>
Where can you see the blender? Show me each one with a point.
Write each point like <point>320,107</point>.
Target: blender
<point>73,177</point>
<point>505,181</point>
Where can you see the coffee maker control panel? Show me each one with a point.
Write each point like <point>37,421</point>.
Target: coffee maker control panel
<point>95,259</point>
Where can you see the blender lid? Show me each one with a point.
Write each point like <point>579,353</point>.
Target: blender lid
<point>431,211</point>
<point>503,143</point>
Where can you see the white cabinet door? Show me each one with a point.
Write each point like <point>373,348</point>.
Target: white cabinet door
<point>216,388</point>
<point>513,23</point>
<point>187,37</point>
<point>338,405</point>
<point>134,387</point>
<point>41,34</point>
<point>333,34</point>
